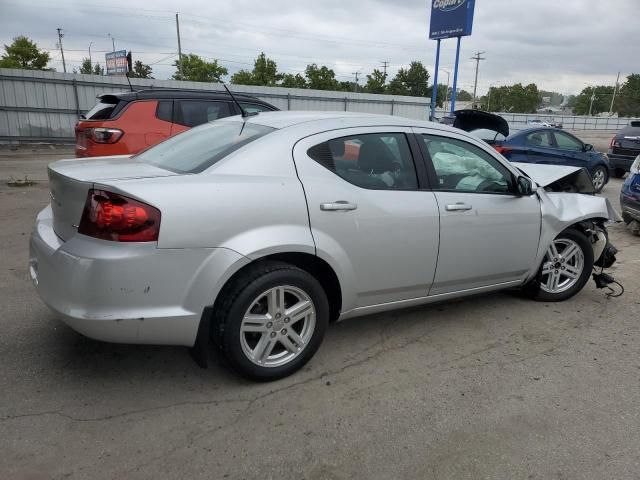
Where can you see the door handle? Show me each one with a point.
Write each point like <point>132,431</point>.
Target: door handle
<point>339,206</point>
<point>458,207</point>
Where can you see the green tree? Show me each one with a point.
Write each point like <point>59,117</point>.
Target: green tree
<point>412,81</point>
<point>376,82</point>
<point>197,69</point>
<point>628,99</point>
<point>23,53</point>
<point>601,94</point>
<point>290,80</point>
<point>265,73</point>
<point>462,96</point>
<point>321,78</point>
<point>140,70</point>
<point>512,98</point>
<point>87,68</point>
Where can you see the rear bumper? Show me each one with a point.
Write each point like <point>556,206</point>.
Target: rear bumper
<point>620,161</point>
<point>127,293</point>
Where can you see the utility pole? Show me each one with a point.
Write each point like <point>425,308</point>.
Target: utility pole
<point>90,62</point>
<point>615,89</point>
<point>355,86</point>
<point>384,67</point>
<point>60,35</point>
<point>179,47</point>
<point>477,57</point>
<point>593,97</point>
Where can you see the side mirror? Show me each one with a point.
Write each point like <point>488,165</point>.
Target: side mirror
<point>524,186</point>
<point>587,147</point>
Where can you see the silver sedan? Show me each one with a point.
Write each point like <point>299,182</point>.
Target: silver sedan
<point>253,234</point>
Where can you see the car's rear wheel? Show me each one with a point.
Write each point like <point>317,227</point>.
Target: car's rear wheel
<point>271,321</point>
<point>600,177</point>
<point>565,269</point>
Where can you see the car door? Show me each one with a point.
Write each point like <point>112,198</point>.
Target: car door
<point>488,234</point>
<point>191,113</point>
<point>371,213</point>
<point>570,150</point>
<point>540,147</point>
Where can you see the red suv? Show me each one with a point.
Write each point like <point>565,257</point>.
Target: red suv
<point>126,123</point>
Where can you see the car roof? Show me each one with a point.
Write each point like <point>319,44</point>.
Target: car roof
<point>172,93</point>
<point>284,119</point>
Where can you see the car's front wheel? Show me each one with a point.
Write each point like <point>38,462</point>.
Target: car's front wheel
<point>565,269</point>
<point>271,321</point>
<point>600,177</point>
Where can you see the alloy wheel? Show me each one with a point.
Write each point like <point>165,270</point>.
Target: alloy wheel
<point>277,326</point>
<point>598,179</point>
<point>562,266</point>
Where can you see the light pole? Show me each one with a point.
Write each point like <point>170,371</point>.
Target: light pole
<point>446,92</point>
<point>113,41</point>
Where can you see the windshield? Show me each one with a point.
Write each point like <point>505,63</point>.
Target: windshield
<point>197,149</point>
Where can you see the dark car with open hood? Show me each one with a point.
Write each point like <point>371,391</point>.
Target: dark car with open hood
<point>540,145</point>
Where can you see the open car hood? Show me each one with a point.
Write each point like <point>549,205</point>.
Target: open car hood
<point>558,178</point>
<point>470,120</point>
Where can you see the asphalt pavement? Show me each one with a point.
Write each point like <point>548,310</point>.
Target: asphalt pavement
<point>491,387</point>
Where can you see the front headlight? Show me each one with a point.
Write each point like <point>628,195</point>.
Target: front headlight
<point>635,166</point>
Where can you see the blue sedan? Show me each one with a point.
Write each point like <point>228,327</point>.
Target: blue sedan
<point>555,147</point>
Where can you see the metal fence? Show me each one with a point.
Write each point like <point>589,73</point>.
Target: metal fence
<point>37,106</point>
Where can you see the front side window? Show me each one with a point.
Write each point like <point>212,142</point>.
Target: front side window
<point>196,112</point>
<point>539,139</point>
<point>566,142</point>
<point>461,166</point>
<point>197,149</point>
<point>379,161</point>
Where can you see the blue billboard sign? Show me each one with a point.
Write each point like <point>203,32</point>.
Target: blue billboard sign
<point>451,18</point>
<point>116,62</point>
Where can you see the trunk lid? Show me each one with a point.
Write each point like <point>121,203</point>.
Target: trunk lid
<point>70,180</point>
<point>470,120</point>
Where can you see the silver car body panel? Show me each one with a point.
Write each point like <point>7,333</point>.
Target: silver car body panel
<point>398,248</point>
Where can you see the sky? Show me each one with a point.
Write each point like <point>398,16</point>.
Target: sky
<point>561,45</point>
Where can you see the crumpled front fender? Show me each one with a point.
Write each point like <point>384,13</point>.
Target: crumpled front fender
<point>561,210</point>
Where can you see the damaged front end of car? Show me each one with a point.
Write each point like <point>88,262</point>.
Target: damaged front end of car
<point>568,200</point>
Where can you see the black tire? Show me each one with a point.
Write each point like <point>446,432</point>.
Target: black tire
<point>604,172</point>
<point>618,173</point>
<point>533,290</point>
<point>237,297</point>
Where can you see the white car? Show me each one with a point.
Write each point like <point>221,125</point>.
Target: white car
<point>258,232</point>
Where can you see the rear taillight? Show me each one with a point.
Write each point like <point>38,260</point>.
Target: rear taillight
<point>503,150</point>
<point>614,143</point>
<point>104,135</point>
<point>111,216</point>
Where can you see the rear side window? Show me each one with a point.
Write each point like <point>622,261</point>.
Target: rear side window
<point>197,112</point>
<point>255,108</point>
<point>164,111</point>
<point>379,161</point>
<point>539,139</point>
<point>197,149</point>
<point>103,110</point>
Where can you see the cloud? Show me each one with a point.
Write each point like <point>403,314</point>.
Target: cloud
<point>560,45</point>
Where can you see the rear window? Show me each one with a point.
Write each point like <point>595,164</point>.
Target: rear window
<point>103,110</point>
<point>197,149</point>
